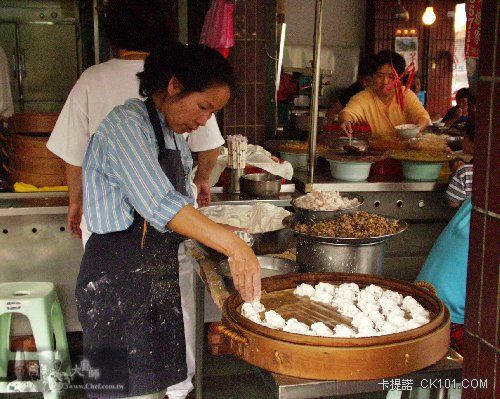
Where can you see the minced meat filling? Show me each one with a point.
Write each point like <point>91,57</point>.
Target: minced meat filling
<point>360,225</point>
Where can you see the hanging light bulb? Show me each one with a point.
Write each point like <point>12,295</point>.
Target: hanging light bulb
<point>429,16</point>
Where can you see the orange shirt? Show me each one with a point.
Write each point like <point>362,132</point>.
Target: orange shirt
<point>366,107</point>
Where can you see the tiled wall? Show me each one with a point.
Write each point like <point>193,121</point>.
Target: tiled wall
<point>247,113</point>
<point>380,34</point>
<point>482,308</point>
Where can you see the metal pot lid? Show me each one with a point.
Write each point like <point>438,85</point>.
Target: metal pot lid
<point>291,220</point>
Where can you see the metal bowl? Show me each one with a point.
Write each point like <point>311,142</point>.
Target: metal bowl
<point>269,266</point>
<point>291,220</point>
<point>305,215</point>
<point>261,184</point>
<point>340,142</point>
<point>270,242</point>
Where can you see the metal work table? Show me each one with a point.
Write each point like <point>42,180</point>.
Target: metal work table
<point>285,387</point>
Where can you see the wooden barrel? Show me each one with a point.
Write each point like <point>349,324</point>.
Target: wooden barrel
<point>29,159</point>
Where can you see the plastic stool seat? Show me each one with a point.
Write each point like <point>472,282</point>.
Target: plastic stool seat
<point>39,303</point>
<point>24,291</point>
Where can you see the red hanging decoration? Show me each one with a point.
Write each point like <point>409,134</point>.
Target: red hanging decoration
<point>397,83</point>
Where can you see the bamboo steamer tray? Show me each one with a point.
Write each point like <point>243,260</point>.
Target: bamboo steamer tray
<point>31,162</point>
<point>32,122</point>
<point>322,358</point>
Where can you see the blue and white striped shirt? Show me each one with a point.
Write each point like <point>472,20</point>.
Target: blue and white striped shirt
<point>121,172</point>
<point>460,186</point>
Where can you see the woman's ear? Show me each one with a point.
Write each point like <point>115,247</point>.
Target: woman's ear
<point>174,87</point>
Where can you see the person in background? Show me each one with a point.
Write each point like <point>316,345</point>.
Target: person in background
<point>416,87</point>
<point>460,186</point>
<point>458,114</point>
<point>446,269</point>
<point>378,107</point>
<point>365,72</point>
<point>133,27</point>
<point>139,207</point>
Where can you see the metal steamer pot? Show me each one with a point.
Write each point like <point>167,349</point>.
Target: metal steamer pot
<point>317,256</point>
<point>346,255</point>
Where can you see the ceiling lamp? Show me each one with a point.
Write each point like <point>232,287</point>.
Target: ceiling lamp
<point>399,13</point>
<point>429,16</point>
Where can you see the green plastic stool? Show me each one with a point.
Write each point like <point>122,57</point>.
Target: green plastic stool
<point>38,302</point>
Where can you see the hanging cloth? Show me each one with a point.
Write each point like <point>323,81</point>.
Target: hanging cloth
<point>218,30</point>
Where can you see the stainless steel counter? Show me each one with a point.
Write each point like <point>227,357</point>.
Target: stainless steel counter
<point>34,243</point>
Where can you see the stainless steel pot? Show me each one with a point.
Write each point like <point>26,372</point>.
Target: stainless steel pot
<point>317,256</point>
<point>261,184</point>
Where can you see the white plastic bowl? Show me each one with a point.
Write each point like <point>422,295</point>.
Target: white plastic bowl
<point>350,171</point>
<point>409,130</point>
<point>438,124</point>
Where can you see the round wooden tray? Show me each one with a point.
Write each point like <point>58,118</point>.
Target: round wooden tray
<point>337,358</point>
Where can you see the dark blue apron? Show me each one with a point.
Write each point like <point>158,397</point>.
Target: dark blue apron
<point>129,302</point>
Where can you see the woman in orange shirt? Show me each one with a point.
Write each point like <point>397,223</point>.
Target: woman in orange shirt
<point>378,107</point>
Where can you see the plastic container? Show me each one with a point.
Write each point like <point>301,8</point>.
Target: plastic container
<point>298,161</point>
<point>421,171</point>
<point>350,171</point>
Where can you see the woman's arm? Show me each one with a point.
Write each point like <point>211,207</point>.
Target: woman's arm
<point>345,122</point>
<point>243,263</point>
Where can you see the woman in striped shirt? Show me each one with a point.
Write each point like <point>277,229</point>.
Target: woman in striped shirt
<point>138,204</point>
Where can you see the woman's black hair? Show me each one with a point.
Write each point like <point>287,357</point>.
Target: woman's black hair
<point>464,92</point>
<point>139,25</point>
<point>389,57</point>
<point>366,65</point>
<point>197,67</point>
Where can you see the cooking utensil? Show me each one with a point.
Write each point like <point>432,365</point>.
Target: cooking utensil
<point>305,356</point>
<point>317,256</point>
<point>340,143</point>
<point>261,184</point>
<point>292,220</point>
<point>269,266</point>
<point>310,215</point>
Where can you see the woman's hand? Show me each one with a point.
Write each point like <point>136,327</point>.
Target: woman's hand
<point>243,263</point>
<point>346,127</point>
<point>245,270</point>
